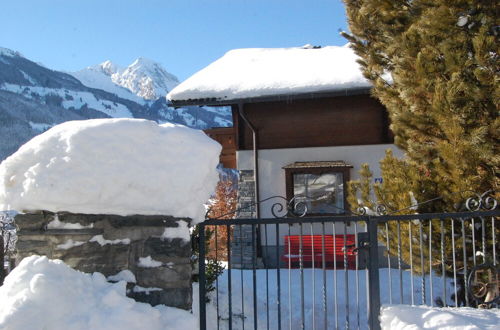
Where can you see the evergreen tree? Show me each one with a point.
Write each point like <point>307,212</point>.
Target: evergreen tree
<point>434,65</point>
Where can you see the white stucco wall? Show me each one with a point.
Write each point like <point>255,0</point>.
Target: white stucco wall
<point>272,175</point>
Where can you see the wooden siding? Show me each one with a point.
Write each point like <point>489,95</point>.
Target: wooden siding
<point>226,137</point>
<point>334,121</point>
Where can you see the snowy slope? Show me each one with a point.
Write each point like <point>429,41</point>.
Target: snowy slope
<point>71,99</point>
<point>8,52</point>
<point>144,78</point>
<point>24,77</point>
<point>147,82</point>
<point>100,77</point>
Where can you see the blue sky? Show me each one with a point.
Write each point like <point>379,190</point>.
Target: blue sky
<point>183,35</point>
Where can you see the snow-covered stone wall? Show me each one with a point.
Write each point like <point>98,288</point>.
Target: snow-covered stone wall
<point>152,253</point>
<point>114,196</point>
<point>113,166</point>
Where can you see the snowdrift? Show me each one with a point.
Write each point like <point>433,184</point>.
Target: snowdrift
<point>112,166</point>
<point>47,294</point>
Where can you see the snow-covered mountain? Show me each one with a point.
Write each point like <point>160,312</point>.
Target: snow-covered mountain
<point>144,78</point>
<point>33,98</point>
<point>146,82</point>
<point>100,77</point>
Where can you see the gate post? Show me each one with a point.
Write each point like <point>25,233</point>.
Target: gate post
<point>201,277</point>
<point>2,258</point>
<point>373,276</point>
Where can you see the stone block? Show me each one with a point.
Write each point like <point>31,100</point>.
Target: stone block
<point>174,297</point>
<point>155,246</point>
<point>144,233</point>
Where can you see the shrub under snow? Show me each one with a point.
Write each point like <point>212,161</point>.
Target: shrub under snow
<point>112,166</point>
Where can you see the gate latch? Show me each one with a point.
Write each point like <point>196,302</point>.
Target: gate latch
<point>362,245</point>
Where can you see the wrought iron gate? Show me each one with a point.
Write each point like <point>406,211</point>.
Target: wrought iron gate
<point>439,259</point>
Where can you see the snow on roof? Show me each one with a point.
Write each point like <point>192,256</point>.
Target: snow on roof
<point>257,72</point>
<point>113,166</point>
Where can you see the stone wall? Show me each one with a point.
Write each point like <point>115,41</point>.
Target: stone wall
<point>242,254</point>
<point>109,244</point>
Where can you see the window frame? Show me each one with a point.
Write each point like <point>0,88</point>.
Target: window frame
<point>289,184</point>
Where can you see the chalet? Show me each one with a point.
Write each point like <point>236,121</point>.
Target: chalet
<point>304,122</point>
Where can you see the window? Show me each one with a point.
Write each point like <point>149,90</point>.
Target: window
<point>320,185</point>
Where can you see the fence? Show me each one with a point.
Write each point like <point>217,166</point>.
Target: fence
<point>439,259</point>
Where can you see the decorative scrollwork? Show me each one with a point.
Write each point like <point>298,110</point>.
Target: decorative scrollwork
<point>381,209</point>
<point>293,208</point>
<point>362,210</point>
<point>484,201</point>
<point>490,203</point>
<point>478,202</point>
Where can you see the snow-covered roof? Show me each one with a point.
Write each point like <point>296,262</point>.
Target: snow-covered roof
<point>260,72</point>
<point>113,166</point>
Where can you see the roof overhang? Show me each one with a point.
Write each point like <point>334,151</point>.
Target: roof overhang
<point>270,98</point>
<point>317,164</point>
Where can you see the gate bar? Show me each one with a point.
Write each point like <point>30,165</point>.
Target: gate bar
<point>201,279</point>
<point>373,276</point>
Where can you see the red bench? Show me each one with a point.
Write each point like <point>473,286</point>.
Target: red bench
<point>334,251</point>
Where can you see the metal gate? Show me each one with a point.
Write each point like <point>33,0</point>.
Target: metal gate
<point>329,281</point>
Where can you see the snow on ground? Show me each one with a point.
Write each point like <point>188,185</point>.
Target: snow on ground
<point>254,72</point>
<point>47,294</point>
<point>422,317</point>
<point>112,166</point>
<point>313,292</point>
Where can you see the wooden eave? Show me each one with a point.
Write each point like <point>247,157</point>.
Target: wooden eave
<point>318,164</point>
<point>269,98</point>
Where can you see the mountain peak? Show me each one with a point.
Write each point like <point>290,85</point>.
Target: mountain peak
<point>9,52</point>
<point>109,67</point>
<point>146,78</point>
